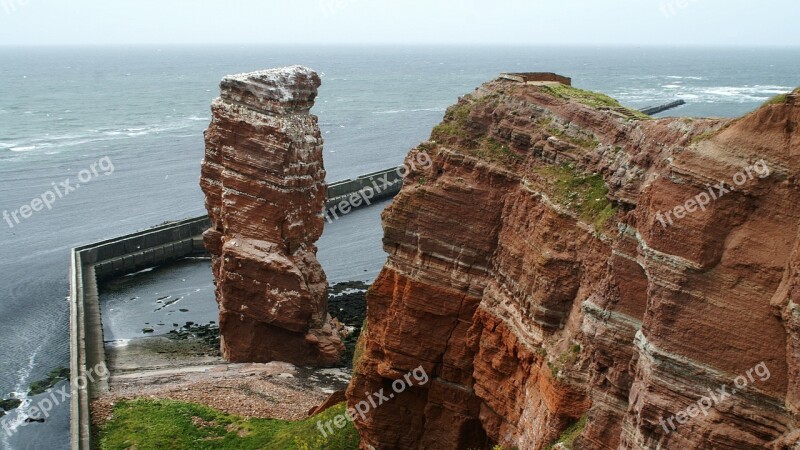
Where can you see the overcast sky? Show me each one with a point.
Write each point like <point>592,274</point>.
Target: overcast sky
<point>523,22</point>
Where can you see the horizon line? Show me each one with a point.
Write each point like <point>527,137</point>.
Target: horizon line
<point>400,44</point>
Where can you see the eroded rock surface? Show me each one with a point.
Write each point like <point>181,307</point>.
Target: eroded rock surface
<point>531,275</point>
<point>263,178</point>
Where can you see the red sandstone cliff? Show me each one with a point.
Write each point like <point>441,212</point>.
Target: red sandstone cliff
<point>531,276</point>
<point>263,178</point>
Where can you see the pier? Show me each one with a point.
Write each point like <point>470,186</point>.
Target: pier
<point>650,110</point>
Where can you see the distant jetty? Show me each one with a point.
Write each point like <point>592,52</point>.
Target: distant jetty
<point>650,110</point>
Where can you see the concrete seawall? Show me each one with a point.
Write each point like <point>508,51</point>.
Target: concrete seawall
<point>97,262</point>
<point>93,263</point>
<point>372,186</point>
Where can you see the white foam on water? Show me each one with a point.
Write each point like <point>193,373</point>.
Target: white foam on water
<point>401,111</point>
<point>702,94</point>
<point>149,269</point>
<point>88,136</point>
<point>118,343</point>
<point>17,418</point>
<point>23,149</point>
<point>676,77</point>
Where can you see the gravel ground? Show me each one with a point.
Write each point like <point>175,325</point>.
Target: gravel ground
<point>185,365</point>
<point>273,390</point>
<point>189,369</point>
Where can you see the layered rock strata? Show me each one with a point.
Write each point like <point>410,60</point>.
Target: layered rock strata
<point>264,182</point>
<point>550,274</point>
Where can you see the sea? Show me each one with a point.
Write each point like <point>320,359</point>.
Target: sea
<point>126,124</point>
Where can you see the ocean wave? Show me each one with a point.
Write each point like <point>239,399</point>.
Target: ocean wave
<point>24,374</point>
<point>88,136</point>
<point>676,77</point>
<point>25,148</point>
<point>702,94</point>
<point>401,111</point>
<point>17,418</point>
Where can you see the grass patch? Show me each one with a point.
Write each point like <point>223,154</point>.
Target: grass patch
<point>710,134</point>
<point>587,195</point>
<point>53,378</point>
<point>456,119</point>
<point>448,129</point>
<point>427,147</point>
<point>159,424</point>
<point>496,447</point>
<point>454,123</point>
<point>567,359</point>
<point>781,98</point>
<point>544,122</point>
<point>492,150</point>
<point>582,142</point>
<point>361,346</point>
<point>589,98</point>
<point>570,435</point>
<point>704,136</point>
<point>777,100</point>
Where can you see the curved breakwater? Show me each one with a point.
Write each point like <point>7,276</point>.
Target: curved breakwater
<point>157,246</point>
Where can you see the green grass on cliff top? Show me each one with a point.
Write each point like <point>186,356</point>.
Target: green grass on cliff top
<point>593,99</point>
<point>166,424</point>
<point>454,123</point>
<point>780,98</point>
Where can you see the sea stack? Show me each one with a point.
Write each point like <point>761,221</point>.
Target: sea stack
<point>264,182</point>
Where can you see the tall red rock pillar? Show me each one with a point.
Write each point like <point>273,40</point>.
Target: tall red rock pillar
<point>264,183</point>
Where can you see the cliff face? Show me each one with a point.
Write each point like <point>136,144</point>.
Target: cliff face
<point>263,179</point>
<point>549,273</point>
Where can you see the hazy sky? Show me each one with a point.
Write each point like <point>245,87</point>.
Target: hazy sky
<point>525,22</point>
